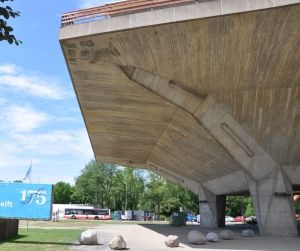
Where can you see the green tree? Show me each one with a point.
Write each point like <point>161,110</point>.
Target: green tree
<point>7,12</point>
<point>134,187</point>
<point>249,208</point>
<point>177,197</point>
<point>110,186</point>
<point>297,205</point>
<point>117,201</point>
<point>154,193</point>
<point>95,183</point>
<point>164,197</point>
<point>62,193</point>
<point>239,205</point>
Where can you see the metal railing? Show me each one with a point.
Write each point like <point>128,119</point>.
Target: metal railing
<point>114,9</point>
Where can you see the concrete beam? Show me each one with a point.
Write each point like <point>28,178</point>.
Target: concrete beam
<point>228,184</point>
<point>189,184</point>
<point>268,185</point>
<point>216,118</point>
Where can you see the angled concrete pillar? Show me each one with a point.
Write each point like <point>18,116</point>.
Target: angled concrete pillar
<point>212,209</point>
<point>268,186</point>
<point>273,202</point>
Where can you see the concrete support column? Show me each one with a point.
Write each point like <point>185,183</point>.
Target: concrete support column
<point>8,228</point>
<point>269,187</point>
<point>212,209</point>
<point>273,202</point>
<point>221,205</point>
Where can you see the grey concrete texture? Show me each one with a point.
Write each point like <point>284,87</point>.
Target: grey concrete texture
<point>258,165</point>
<point>180,102</point>
<point>148,237</point>
<point>199,9</point>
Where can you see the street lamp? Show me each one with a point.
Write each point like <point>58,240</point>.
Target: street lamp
<point>125,200</point>
<point>126,216</point>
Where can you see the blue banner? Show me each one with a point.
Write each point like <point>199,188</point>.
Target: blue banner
<point>25,201</point>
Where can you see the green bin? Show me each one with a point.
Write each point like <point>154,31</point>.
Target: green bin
<point>116,215</point>
<point>177,219</point>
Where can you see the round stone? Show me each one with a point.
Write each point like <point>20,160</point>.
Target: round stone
<point>88,237</point>
<point>196,237</point>
<point>212,237</point>
<point>117,243</point>
<point>172,241</point>
<point>226,235</point>
<point>248,233</point>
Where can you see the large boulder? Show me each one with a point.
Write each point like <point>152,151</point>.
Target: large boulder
<point>196,237</point>
<point>212,237</point>
<point>117,243</point>
<point>226,235</point>
<point>248,233</point>
<point>172,241</point>
<point>88,237</point>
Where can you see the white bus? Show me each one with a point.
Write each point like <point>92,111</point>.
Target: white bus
<point>82,212</point>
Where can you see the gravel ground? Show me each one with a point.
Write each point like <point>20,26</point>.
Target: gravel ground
<point>150,237</point>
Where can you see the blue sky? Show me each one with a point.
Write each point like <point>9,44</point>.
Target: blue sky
<point>40,118</point>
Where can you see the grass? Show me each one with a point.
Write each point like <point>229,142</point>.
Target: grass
<point>54,236</point>
<point>41,240</point>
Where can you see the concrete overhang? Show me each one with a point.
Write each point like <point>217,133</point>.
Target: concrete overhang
<point>175,14</point>
<point>245,54</point>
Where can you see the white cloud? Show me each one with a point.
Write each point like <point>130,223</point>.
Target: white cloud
<point>11,155</point>
<point>8,69</point>
<point>75,143</point>
<point>39,121</point>
<point>56,156</point>
<point>32,84</point>
<point>22,119</point>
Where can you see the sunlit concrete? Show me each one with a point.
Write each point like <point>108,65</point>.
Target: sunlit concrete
<point>206,94</point>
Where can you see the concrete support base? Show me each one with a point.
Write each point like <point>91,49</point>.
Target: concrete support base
<point>272,199</point>
<point>8,228</point>
<point>212,209</point>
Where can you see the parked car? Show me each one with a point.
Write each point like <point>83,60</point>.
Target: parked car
<point>190,217</point>
<point>229,219</point>
<point>240,219</point>
<point>251,220</point>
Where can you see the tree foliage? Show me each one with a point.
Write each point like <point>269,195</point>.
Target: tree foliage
<point>62,193</point>
<point>239,205</point>
<point>297,206</point>
<point>110,186</point>
<point>95,184</point>
<point>164,197</point>
<point>7,12</point>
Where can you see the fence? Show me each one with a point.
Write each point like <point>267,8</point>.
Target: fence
<point>118,8</point>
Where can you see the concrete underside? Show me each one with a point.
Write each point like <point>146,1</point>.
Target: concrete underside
<point>211,103</point>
